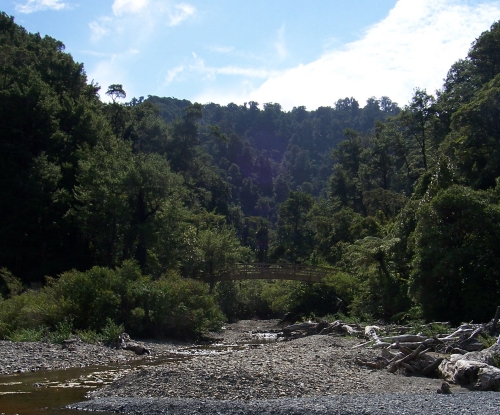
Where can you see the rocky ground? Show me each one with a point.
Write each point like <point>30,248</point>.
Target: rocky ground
<point>306,367</point>
<point>32,356</point>
<point>241,373</point>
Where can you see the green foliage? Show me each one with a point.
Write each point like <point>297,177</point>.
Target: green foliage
<point>243,299</point>
<point>13,285</point>
<point>496,360</point>
<point>108,301</point>
<point>408,200</point>
<point>489,341</point>
<point>455,270</point>
<point>294,234</point>
<point>212,250</point>
<point>89,336</point>
<point>111,331</point>
<point>380,290</point>
<point>63,331</point>
<point>27,335</point>
<point>429,330</point>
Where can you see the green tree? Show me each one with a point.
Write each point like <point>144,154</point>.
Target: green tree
<point>119,195</point>
<point>474,141</point>
<point>345,184</point>
<point>456,265</point>
<point>294,239</point>
<point>381,291</point>
<point>214,249</point>
<point>417,119</point>
<point>47,111</point>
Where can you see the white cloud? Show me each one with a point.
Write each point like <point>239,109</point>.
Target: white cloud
<point>414,46</point>
<point>172,74</point>
<point>211,72</point>
<point>32,6</point>
<point>280,44</point>
<point>180,12</point>
<point>100,28</point>
<point>138,19</point>
<point>121,7</point>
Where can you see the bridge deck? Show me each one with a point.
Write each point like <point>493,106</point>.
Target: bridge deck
<point>267,271</point>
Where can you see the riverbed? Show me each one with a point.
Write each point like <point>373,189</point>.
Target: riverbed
<point>244,368</point>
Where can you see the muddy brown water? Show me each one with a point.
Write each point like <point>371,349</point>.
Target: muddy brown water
<point>48,392</point>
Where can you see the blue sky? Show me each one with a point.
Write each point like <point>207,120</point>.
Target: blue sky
<point>293,52</point>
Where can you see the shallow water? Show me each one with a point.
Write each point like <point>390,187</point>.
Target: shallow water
<point>46,392</point>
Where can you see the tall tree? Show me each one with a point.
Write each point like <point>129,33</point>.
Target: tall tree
<point>417,121</point>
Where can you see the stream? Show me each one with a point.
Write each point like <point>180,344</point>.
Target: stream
<point>48,392</point>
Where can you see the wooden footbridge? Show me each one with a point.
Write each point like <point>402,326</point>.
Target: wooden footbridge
<point>276,271</point>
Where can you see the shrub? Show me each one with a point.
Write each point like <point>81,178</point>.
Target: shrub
<point>27,335</point>
<point>107,301</point>
<point>111,331</point>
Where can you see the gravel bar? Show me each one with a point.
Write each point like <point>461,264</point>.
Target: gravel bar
<point>19,357</point>
<point>480,403</point>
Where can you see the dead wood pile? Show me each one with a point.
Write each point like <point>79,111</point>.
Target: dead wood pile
<point>458,356</point>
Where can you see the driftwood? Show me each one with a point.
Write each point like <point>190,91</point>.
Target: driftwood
<point>126,343</point>
<point>371,333</point>
<point>324,328</point>
<point>470,363</point>
<point>459,333</point>
<point>477,373</point>
<point>407,338</point>
<point>300,327</point>
<point>413,361</point>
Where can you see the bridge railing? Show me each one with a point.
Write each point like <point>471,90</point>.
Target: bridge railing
<point>269,271</point>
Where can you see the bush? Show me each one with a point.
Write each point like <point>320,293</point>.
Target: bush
<point>111,331</point>
<point>181,307</point>
<point>243,299</point>
<point>27,335</point>
<point>108,302</point>
<point>63,331</point>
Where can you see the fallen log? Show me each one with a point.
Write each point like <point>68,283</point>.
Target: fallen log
<point>348,329</point>
<point>473,368</point>
<point>300,327</point>
<point>371,333</point>
<point>428,370</point>
<point>460,332</point>
<point>406,338</point>
<point>394,366</point>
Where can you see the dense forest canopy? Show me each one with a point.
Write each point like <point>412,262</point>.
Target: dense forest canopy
<point>401,201</point>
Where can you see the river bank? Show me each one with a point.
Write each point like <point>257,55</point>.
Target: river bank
<point>306,367</point>
<point>21,357</point>
<point>245,372</point>
<point>311,375</point>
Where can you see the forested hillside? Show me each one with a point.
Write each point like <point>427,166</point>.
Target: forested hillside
<point>123,206</point>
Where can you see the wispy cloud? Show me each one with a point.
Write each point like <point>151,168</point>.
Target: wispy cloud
<point>121,7</point>
<point>139,17</point>
<point>280,45</point>
<point>179,13</point>
<point>172,74</point>
<point>210,72</point>
<point>100,28</point>
<point>414,46</point>
<point>32,6</point>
